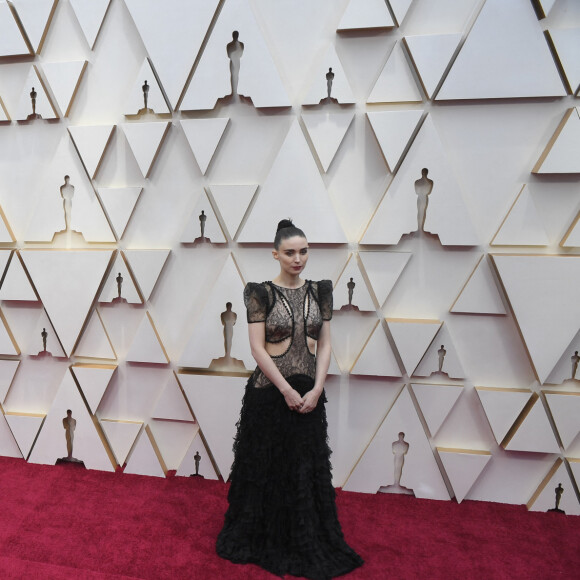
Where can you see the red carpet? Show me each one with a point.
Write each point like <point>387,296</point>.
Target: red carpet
<point>66,522</point>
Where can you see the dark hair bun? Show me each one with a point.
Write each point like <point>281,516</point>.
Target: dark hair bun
<point>284,224</point>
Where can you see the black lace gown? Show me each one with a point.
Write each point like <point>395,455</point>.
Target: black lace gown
<point>282,512</point>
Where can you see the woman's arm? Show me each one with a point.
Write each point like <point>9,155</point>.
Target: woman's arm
<point>257,333</point>
<point>322,364</point>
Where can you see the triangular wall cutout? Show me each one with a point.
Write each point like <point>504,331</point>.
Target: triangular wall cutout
<point>8,344</point>
<point>361,14</point>
<point>16,285</point>
<point>562,153</point>
<point>327,130</point>
<point>463,467</point>
<point>523,225</point>
<point>400,9</point>
<point>480,295</point>
<point>543,498</point>
<point>93,381</point>
<point>12,42</point>
<point>394,131</point>
<point>145,140</point>
<point>64,79</point>
<point>542,294</point>
<point>431,54</point>
<point>384,270</point>
<point>145,458</point>
<point>91,142</point>
<point>258,77</point>
<point>121,436</point>
<point>56,276</point>
<point>203,213</point>
<point>146,266</point>
<point>442,353</point>
<point>361,298</point>
<point>233,202</point>
<point>436,402</point>
<point>119,204</point>
<point>25,428</point>
<point>94,342</point>
<point>566,41</point>
<point>8,369</point>
<point>147,346</point>
<point>203,136</point>
<point>171,404</point>
<point>90,14</point>
<point>377,357</point>
<point>36,18</point>
<point>565,409</point>
<point>294,175</point>
<point>124,283</point>
<point>396,83</point>
<point>187,466</point>
<point>517,63</point>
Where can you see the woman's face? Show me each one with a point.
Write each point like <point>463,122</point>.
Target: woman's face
<point>292,255</point>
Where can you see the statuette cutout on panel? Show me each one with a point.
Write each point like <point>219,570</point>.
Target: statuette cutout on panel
<point>235,50</point>
<point>400,449</point>
<point>33,115</point>
<point>351,284</point>
<point>34,102</point>
<point>558,492</point>
<point>69,424</point>
<point>423,189</point>
<point>197,459</point>
<point>227,362</point>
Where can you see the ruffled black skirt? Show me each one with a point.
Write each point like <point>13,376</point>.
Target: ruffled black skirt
<point>282,512</point>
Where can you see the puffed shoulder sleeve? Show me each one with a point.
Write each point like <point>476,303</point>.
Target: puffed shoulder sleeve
<point>325,298</point>
<point>256,301</point>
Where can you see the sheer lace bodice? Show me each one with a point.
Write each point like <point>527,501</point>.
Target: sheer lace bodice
<point>293,318</point>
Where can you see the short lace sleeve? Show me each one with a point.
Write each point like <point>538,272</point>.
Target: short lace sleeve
<point>325,298</point>
<point>256,301</point>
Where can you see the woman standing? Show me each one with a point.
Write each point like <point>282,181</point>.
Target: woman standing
<point>282,513</point>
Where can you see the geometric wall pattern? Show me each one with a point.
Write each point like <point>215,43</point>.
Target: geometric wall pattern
<point>436,169</point>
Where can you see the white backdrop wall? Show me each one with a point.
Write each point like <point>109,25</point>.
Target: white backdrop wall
<point>481,93</point>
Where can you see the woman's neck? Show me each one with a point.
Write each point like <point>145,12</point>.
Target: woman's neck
<point>288,281</point>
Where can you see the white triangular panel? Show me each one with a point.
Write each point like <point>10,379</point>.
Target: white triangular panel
<point>360,294</point>
<point>11,40</point>
<point>146,346</point>
<point>377,357</point>
<point>376,466</point>
<point>412,338</point>
<point>119,203</point>
<point>436,402</point>
<point>562,154</point>
<point>233,202</point>
<point>396,83</point>
<point>400,9</point>
<point>90,14</point>
<point>216,402</point>
<point>64,79</point>
<point>207,341</point>
<point>394,130</point>
<point>8,344</point>
<point>187,466</point>
<point>67,283</point>
<point>121,436</point>
<point>361,14</point>
<point>294,175</point>
<point>384,270</point>
<point>431,54</point>
<point>16,285</point>
<point>145,140</point>
<point>212,231</point>
<point>542,293</point>
<point>463,467</point>
<point>327,130</point>
<point>523,225</point>
<point>545,496</point>
<point>24,429</point>
<point>173,439</point>
<point>155,99</point>
<point>447,214</point>
<point>35,17</point>
<point>534,433</point>
<point>87,444</point>
<point>480,295</point>
<point>203,136</point>
<point>94,342</point>
<point>128,290</point>
<point>8,445</point>
<point>340,88</point>
<point>44,106</point>
<point>8,369</point>
<point>146,266</point>
<point>48,214</point>
<point>171,403</point>
<point>258,77</point>
<point>93,381</point>
<point>517,63</point>
<point>566,41</point>
<point>144,459</point>
<point>35,344</point>
<point>91,142</point>
<point>174,36</point>
<point>430,362</point>
<point>565,408</point>
<point>502,407</point>
<point>350,332</point>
